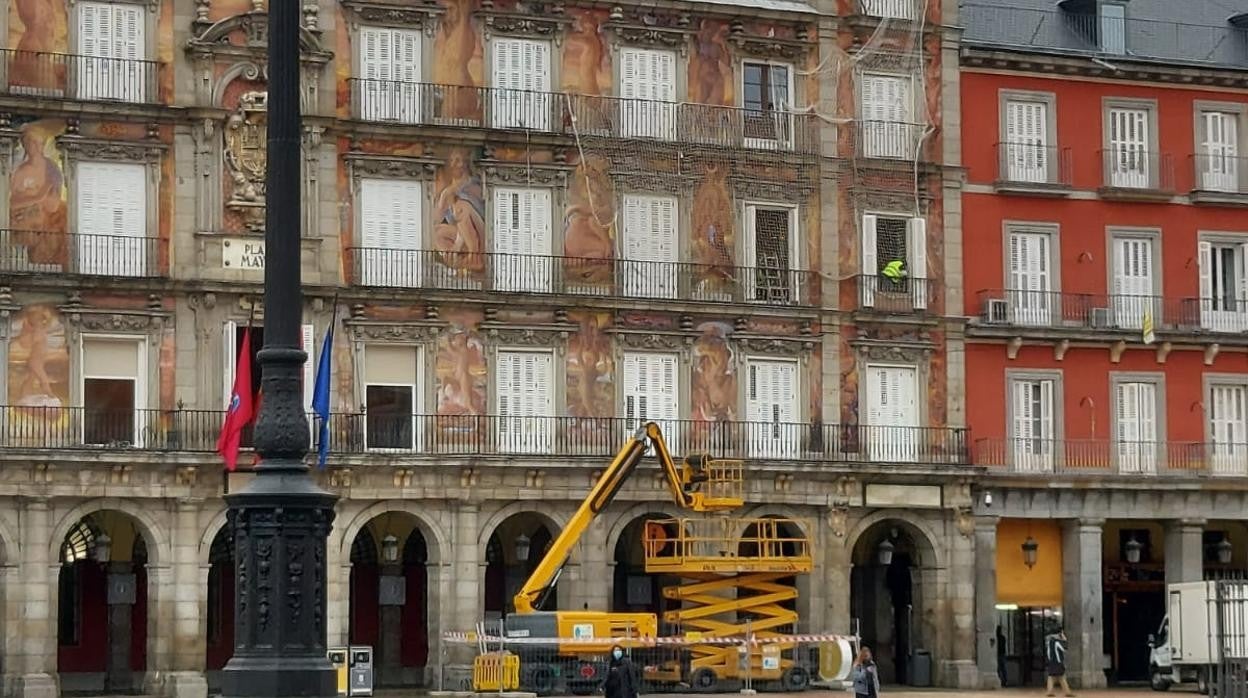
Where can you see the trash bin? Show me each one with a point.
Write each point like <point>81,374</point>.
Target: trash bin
<point>921,669</point>
<point>361,669</point>
<point>338,658</point>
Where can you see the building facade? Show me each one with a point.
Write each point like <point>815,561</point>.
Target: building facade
<point>531,226</point>
<point>1105,299</point>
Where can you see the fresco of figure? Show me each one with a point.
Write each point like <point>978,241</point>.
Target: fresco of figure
<point>37,28</point>
<point>714,236</point>
<point>589,224</point>
<point>587,68</point>
<point>710,66</point>
<point>459,216</point>
<point>37,208</point>
<point>714,394</point>
<point>457,61</point>
<point>590,367</point>
<point>38,359</point>
<point>460,367</point>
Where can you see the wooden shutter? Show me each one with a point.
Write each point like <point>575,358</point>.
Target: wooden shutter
<point>1221,148</point>
<point>1133,267</point>
<point>522,239</point>
<point>521,80</point>
<point>308,340</point>
<point>772,391</point>
<point>376,53</point>
<point>870,269</point>
<point>918,261</point>
<point>1128,142</point>
<point>1205,263</point>
<point>648,79</point>
<point>112,218</point>
<point>93,37</point>
<point>390,65</point>
<point>1023,426</point>
<point>650,392</point>
<point>1026,135</point>
<point>390,232</point>
<point>650,245</point>
<point>229,352</point>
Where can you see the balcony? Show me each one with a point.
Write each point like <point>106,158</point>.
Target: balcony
<point>1136,174</point>
<point>904,296</point>
<point>1024,456</point>
<point>1219,179</point>
<point>423,436</point>
<point>414,103</point>
<point>539,274</point>
<point>1099,312</point>
<point>1064,32</point>
<point>889,140</point>
<point>42,252</point>
<point>31,73</point>
<point>1032,168</point>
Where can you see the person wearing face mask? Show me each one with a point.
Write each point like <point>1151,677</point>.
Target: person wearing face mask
<point>621,681</point>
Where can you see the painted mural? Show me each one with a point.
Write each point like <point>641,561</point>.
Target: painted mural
<point>221,9</point>
<point>460,374</point>
<point>586,54</point>
<point>710,66</point>
<point>38,371</point>
<point>714,234</point>
<point>37,195</point>
<point>589,223</point>
<point>714,389</point>
<point>590,366</point>
<point>37,28</point>
<point>458,60</point>
<point>459,215</point>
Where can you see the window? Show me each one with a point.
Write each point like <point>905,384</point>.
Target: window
<point>1129,162</point>
<point>887,240</point>
<point>892,413</point>
<point>113,391</point>
<point>1223,285</point>
<point>1033,425</point>
<point>1133,281</point>
<point>886,108</point>
<point>1113,30</point>
<point>388,82</point>
<point>647,93</point>
<point>772,408</point>
<point>1028,155</point>
<point>890,9</point>
<point>1217,162</point>
<point>767,90</point>
<point>769,252</point>
<point>1030,278</point>
<point>650,393</point>
<point>521,96</point>
<point>112,48</point>
<point>524,393</point>
<point>1228,427</point>
<point>1136,432</point>
<point>393,388</point>
<point>522,244</point>
<point>112,218</point>
<point>390,233</point>
<point>232,341</point>
<point>650,246</point>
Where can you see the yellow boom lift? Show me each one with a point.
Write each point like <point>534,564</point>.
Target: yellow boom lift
<point>728,574</point>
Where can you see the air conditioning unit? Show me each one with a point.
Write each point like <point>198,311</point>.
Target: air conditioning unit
<point>1100,319</point>
<point>996,311</point>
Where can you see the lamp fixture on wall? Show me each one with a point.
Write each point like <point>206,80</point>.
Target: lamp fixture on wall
<point>1224,550</point>
<point>1031,551</point>
<point>1133,549</point>
<point>522,548</point>
<point>390,548</point>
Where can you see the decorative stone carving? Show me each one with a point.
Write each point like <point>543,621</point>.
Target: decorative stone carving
<point>527,336</point>
<point>775,345</point>
<point>965,522</point>
<point>892,352</point>
<point>515,173</point>
<point>410,15</point>
<point>389,166</point>
<point>650,36</point>
<point>770,47</point>
<point>115,322</point>
<point>188,475</point>
<point>391,332</point>
<point>126,151</point>
<point>838,521</point>
<point>246,134</point>
<point>650,340</point>
<point>403,477</point>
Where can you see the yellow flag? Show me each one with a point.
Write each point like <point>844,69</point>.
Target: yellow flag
<point>1148,335</point>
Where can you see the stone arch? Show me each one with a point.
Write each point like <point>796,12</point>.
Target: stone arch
<point>153,533</point>
<point>435,538</point>
<point>215,526</point>
<point>924,535</point>
<point>10,552</point>
<point>769,511</point>
<point>554,522</point>
<point>631,514</point>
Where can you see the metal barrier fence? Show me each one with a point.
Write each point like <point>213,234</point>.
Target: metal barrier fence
<point>679,663</point>
<point>1231,650</point>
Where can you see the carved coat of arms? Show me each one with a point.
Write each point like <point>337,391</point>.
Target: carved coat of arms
<point>246,135</point>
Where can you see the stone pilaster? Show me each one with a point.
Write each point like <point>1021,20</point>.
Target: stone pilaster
<point>1185,545</point>
<point>836,594</point>
<point>36,661</point>
<point>122,592</point>
<point>1082,606</point>
<point>392,597</point>
<point>184,677</point>
<point>986,602</point>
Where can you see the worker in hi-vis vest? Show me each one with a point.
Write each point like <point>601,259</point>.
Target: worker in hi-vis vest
<point>895,271</point>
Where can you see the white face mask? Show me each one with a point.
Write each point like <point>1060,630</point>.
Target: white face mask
<point>618,654</point>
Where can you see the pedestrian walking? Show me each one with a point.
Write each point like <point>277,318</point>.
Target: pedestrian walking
<point>1001,655</point>
<point>621,680</point>
<point>865,676</point>
<point>1055,662</point>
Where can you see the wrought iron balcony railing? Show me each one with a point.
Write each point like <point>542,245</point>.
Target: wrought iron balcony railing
<point>516,273</point>
<point>1100,311</point>
<point>43,252</point>
<point>890,9</point>
<point>67,428</point>
<point>1105,457</point>
<point>582,115</point>
<point>37,73</point>
<point>903,295</point>
<point>1140,170</point>
<point>889,140</point>
<point>1033,164</point>
<point>1219,174</point>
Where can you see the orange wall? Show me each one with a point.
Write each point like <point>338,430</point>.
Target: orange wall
<point>1040,585</point>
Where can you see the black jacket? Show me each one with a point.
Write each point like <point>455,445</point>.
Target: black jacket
<point>621,681</point>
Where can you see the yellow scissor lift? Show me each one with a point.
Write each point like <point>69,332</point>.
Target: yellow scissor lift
<point>730,588</point>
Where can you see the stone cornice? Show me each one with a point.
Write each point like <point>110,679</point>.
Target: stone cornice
<point>1038,63</point>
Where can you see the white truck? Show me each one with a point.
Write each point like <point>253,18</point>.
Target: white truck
<point>1206,624</point>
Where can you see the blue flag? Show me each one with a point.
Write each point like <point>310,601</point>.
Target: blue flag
<point>320,395</point>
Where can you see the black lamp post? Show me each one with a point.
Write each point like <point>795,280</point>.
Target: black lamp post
<point>281,518</point>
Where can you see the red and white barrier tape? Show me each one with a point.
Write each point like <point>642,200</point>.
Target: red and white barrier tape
<point>646,641</point>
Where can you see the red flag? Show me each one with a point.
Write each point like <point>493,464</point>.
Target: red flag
<point>241,410</point>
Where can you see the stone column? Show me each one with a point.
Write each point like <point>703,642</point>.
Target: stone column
<point>1082,610</point>
<point>962,671</point>
<point>467,573</point>
<point>189,628</point>
<point>592,571</point>
<point>986,601</point>
<point>1185,546</point>
<point>36,662</point>
<point>836,593</point>
<point>391,596</point>
<point>122,593</point>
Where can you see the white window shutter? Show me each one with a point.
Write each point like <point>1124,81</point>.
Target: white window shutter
<point>1205,262</point>
<point>90,33</point>
<point>129,37</point>
<point>229,351</point>
<point>870,265</point>
<point>506,223</point>
<point>918,261</point>
<point>650,245</point>
<point>405,45</point>
<point>308,339</point>
<point>1022,426</point>
<point>390,225</point>
<point>1241,273</point>
<point>1127,412</point>
<point>1046,410</point>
